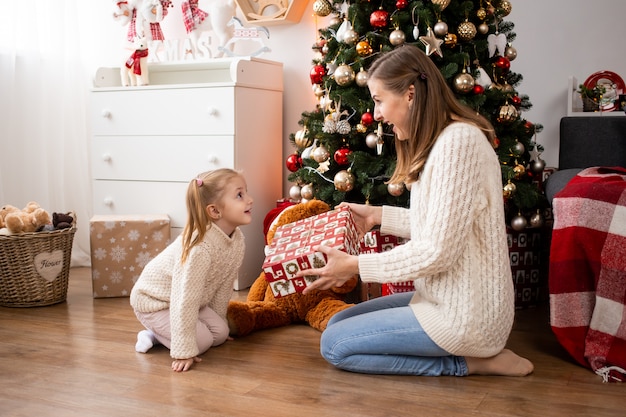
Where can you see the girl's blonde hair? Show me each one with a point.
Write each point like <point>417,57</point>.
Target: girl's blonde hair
<point>207,188</point>
<point>434,107</point>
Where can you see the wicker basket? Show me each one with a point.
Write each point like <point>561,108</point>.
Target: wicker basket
<point>35,268</point>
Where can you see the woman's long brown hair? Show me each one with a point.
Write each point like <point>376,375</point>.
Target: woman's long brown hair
<point>434,108</point>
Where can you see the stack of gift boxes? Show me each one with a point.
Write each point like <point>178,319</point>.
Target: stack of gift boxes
<point>292,250</point>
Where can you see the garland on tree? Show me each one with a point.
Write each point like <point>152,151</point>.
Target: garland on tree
<point>344,155</point>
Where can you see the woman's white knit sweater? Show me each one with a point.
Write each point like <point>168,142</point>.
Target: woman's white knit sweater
<point>457,254</point>
<point>205,279</point>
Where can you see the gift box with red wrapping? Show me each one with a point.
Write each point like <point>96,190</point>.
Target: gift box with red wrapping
<point>121,246</point>
<point>375,242</point>
<point>291,249</point>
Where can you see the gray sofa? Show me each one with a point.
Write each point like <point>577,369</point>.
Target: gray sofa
<point>584,142</point>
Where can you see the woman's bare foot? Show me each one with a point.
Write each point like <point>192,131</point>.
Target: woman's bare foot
<point>505,363</point>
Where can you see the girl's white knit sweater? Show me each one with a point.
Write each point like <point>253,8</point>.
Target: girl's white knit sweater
<point>457,254</point>
<point>205,279</point>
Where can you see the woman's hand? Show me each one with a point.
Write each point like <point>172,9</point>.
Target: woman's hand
<point>339,268</point>
<point>365,216</point>
<point>182,365</point>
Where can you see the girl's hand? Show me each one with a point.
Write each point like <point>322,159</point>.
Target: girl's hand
<point>339,268</point>
<point>365,216</point>
<point>182,365</point>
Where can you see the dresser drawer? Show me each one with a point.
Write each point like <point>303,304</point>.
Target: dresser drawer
<point>167,111</point>
<point>142,197</point>
<point>159,158</point>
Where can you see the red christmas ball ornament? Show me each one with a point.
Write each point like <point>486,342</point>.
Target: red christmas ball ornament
<point>503,63</point>
<point>294,162</point>
<point>317,74</point>
<point>496,143</point>
<point>341,156</point>
<point>367,118</point>
<point>517,101</point>
<point>378,18</point>
<point>401,4</point>
<point>529,126</point>
<point>478,89</point>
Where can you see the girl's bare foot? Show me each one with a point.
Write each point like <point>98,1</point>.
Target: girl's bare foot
<point>505,363</point>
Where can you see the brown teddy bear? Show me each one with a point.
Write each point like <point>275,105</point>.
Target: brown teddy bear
<point>30,219</point>
<point>262,310</point>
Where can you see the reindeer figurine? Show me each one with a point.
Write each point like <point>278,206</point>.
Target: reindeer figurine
<point>134,72</point>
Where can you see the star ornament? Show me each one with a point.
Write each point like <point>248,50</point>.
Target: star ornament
<point>432,43</point>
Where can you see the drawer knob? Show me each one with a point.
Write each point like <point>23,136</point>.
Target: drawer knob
<point>106,157</point>
<point>108,201</point>
<point>213,159</point>
<point>212,111</point>
<point>106,114</point>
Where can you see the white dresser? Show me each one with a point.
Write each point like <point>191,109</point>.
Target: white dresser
<point>149,142</point>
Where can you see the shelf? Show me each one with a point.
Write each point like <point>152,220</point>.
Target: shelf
<point>575,103</point>
<point>267,13</point>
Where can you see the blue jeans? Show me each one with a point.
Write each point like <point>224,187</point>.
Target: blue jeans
<point>382,336</point>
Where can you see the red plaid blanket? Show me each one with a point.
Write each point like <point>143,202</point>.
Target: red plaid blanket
<point>588,270</point>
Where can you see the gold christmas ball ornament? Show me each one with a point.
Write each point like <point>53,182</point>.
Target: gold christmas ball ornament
<point>463,83</point>
<point>508,190</point>
<point>395,190</point>
<point>507,114</point>
<point>320,154</point>
<point>301,138</point>
<point>306,191</point>
<point>361,78</point>
<point>505,7</point>
<point>295,192</point>
<point>536,220</point>
<point>363,48</point>
<point>441,3</point>
<point>481,13</point>
<point>344,75</point>
<point>322,7</point>
<point>519,170</point>
<point>483,28</point>
<point>344,181</point>
<point>519,223</point>
<point>397,37</point>
<point>466,31</point>
<point>510,53</point>
<point>450,40</point>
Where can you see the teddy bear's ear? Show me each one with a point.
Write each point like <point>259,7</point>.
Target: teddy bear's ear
<point>296,212</point>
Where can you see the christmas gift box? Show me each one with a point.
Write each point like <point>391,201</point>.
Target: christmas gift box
<point>292,248</point>
<point>528,255</point>
<point>375,242</point>
<point>121,246</point>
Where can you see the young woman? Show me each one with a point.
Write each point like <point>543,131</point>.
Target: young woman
<point>458,320</point>
<point>182,294</point>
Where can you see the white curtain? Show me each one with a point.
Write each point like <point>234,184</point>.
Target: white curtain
<point>45,77</point>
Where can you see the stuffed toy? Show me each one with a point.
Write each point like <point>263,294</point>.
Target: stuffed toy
<point>4,211</point>
<point>30,219</point>
<point>262,310</point>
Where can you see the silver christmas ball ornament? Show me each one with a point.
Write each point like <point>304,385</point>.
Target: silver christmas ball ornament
<point>307,191</point>
<point>344,181</point>
<point>463,83</point>
<point>397,37</point>
<point>510,53</point>
<point>361,78</point>
<point>344,75</point>
<point>536,220</point>
<point>519,223</point>
<point>320,154</point>
<point>440,28</point>
<point>396,189</point>
<point>371,140</point>
<point>295,192</point>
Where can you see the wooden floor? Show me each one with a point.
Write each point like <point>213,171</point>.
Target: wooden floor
<point>77,359</point>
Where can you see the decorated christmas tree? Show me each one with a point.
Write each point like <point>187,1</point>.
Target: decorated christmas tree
<point>342,154</point>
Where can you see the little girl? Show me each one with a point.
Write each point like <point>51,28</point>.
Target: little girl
<point>182,294</point>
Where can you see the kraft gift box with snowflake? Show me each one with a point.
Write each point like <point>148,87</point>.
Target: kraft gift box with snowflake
<point>292,248</point>
<point>121,246</point>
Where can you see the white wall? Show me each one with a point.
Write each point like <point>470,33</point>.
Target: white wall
<point>555,39</point>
